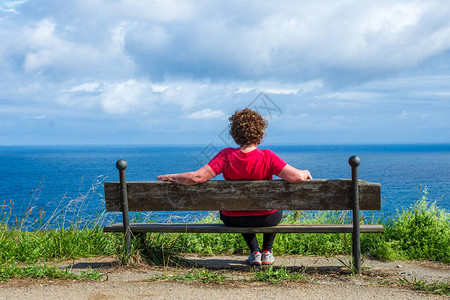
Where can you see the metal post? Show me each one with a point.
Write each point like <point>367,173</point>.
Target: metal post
<point>121,166</point>
<point>354,162</point>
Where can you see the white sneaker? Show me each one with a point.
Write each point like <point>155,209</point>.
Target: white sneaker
<point>267,257</point>
<point>255,258</point>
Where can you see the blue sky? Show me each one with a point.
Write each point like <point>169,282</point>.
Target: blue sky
<point>170,72</point>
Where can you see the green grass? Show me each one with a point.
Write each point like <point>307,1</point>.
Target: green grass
<point>271,275</point>
<point>437,288</point>
<point>279,275</point>
<point>8,271</point>
<point>162,250</point>
<point>419,232</point>
<point>44,245</point>
<point>195,276</point>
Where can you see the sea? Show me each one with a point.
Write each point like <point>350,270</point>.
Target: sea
<point>61,186</point>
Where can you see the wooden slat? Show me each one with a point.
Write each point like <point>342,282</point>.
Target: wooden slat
<point>220,228</point>
<point>316,194</point>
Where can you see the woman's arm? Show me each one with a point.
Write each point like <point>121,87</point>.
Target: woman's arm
<point>190,178</point>
<point>291,174</point>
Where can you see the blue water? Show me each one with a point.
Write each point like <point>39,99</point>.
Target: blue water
<point>68,179</point>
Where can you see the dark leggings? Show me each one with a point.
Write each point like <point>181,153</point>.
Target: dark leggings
<point>255,221</point>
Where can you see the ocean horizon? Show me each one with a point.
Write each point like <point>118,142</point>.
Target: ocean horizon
<point>51,178</point>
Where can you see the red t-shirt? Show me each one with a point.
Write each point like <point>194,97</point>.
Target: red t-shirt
<point>254,165</point>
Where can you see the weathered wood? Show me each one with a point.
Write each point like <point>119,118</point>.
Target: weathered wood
<point>316,194</point>
<point>220,228</point>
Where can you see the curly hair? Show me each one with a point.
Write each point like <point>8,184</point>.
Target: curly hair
<point>247,127</point>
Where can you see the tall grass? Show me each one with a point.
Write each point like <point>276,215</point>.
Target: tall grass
<point>30,238</point>
<point>43,271</point>
<point>43,245</point>
<point>85,210</point>
<point>421,231</point>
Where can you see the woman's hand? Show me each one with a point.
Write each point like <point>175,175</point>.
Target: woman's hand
<point>163,177</point>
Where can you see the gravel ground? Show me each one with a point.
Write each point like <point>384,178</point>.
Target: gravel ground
<point>325,279</point>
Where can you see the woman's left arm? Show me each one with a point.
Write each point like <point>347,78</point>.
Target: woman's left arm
<point>190,178</point>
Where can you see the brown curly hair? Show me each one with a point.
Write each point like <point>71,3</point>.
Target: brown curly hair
<point>247,127</point>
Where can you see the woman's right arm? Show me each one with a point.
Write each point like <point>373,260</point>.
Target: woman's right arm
<point>190,178</point>
<point>291,174</point>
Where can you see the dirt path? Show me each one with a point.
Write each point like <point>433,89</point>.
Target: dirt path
<point>325,279</point>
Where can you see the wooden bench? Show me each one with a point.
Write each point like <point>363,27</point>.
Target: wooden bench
<point>317,194</point>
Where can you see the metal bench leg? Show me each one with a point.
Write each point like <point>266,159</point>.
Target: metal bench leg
<point>354,161</point>
<point>122,165</point>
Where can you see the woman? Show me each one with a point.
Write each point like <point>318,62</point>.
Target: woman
<point>247,162</point>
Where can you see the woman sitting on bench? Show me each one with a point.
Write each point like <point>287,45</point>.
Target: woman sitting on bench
<point>247,162</point>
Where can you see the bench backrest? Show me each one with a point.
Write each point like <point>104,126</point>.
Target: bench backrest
<point>316,194</point>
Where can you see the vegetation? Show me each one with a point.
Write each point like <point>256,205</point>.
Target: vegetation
<point>43,271</point>
<point>44,245</point>
<point>279,275</point>
<point>421,231</point>
<point>269,274</point>
<point>437,288</point>
<point>196,276</point>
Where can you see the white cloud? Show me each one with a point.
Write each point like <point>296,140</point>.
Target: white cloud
<point>86,87</point>
<point>117,39</point>
<point>280,88</point>
<point>207,114</point>
<point>394,18</point>
<point>158,10</point>
<point>151,37</point>
<point>343,42</point>
<point>244,90</point>
<point>39,117</point>
<point>279,91</point>
<point>350,95</point>
<point>414,116</point>
<point>166,60</point>
<point>10,6</point>
<point>121,98</point>
<point>52,49</point>
<point>159,88</point>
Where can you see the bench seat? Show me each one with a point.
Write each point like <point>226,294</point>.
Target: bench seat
<point>220,228</point>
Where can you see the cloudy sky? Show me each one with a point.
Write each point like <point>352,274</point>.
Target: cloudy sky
<point>170,72</point>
